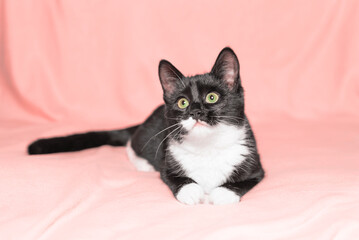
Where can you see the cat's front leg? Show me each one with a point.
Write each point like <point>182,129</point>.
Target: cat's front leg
<point>184,189</point>
<point>231,192</point>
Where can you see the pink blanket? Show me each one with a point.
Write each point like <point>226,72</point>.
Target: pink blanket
<point>70,66</point>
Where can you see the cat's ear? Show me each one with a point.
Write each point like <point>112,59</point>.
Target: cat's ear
<point>226,68</point>
<point>170,77</point>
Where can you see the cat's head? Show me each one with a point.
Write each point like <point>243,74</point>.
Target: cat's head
<point>205,100</point>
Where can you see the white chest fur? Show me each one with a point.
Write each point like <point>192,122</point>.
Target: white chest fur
<point>209,154</point>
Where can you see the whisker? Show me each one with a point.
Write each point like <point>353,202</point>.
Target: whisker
<point>229,119</point>
<point>178,133</point>
<point>228,116</point>
<point>172,118</point>
<point>158,134</point>
<point>233,118</point>
<point>165,139</point>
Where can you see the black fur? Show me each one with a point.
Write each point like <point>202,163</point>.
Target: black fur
<point>151,139</point>
<point>82,141</point>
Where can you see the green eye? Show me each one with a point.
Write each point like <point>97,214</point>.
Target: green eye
<point>182,103</point>
<point>212,97</point>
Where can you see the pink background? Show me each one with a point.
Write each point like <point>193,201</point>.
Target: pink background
<point>68,66</point>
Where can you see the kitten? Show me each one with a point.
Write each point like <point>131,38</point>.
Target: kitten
<point>200,139</point>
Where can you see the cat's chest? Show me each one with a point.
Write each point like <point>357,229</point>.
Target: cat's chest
<point>209,159</point>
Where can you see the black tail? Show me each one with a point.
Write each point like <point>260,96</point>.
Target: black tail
<point>79,142</point>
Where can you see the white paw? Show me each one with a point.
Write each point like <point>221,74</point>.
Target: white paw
<point>190,194</point>
<point>222,195</point>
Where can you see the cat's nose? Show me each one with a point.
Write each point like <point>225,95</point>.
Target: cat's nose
<point>196,114</point>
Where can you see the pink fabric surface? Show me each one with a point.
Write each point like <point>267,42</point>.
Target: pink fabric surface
<point>70,66</point>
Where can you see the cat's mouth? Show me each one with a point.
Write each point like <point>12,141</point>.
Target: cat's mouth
<point>200,123</point>
<point>191,123</point>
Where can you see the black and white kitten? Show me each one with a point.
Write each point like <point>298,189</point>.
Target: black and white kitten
<point>200,139</point>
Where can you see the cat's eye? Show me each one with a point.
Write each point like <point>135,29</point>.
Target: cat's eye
<point>183,103</point>
<point>212,97</point>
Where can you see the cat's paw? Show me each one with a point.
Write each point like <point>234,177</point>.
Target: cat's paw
<point>190,194</point>
<point>222,195</point>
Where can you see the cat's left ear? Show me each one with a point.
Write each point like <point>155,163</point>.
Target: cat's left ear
<point>226,68</point>
<point>171,77</point>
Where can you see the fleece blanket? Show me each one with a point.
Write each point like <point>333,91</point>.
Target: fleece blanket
<point>73,66</point>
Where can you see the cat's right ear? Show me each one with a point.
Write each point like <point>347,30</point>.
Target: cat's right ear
<point>170,77</point>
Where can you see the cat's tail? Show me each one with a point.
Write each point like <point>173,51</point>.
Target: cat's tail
<point>82,141</point>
